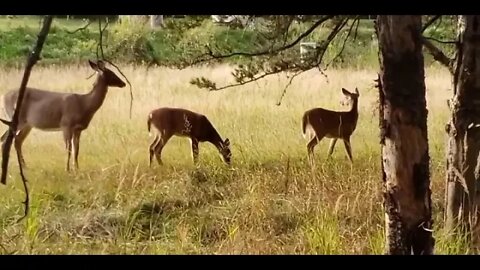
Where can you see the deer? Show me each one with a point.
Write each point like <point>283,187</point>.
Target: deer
<point>166,122</point>
<point>318,123</point>
<point>51,111</point>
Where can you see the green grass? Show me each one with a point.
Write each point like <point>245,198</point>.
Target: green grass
<point>270,202</point>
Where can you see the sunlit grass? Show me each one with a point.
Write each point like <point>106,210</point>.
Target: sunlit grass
<point>270,201</point>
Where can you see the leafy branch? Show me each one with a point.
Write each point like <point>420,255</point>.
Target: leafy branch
<point>245,74</point>
<point>209,56</point>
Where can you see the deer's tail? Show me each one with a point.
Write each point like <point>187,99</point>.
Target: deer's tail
<point>306,126</point>
<point>149,123</point>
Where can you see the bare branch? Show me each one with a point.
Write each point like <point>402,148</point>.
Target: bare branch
<point>430,22</point>
<point>321,53</point>
<point>100,39</point>
<point>128,81</point>
<point>214,88</point>
<point>344,42</point>
<point>81,28</point>
<point>438,55</point>
<point>25,187</point>
<point>100,48</point>
<point>212,56</point>
<point>32,60</point>
<point>288,84</point>
<point>442,41</point>
<point>356,29</point>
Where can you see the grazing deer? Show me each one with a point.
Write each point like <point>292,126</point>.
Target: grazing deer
<point>331,124</point>
<point>70,113</point>
<point>184,123</point>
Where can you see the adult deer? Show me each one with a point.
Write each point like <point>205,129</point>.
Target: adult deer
<point>70,113</point>
<point>168,122</point>
<point>331,124</point>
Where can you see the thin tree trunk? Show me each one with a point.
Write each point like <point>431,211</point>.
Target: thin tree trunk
<point>463,129</point>
<point>404,140</point>
<point>156,21</point>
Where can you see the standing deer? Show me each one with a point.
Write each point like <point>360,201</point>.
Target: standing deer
<point>168,122</point>
<point>70,113</point>
<point>331,124</point>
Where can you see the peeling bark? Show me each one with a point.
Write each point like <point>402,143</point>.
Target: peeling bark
<point>463,130</point>
<point>404,140</point>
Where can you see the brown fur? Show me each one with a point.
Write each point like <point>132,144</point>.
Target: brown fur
<point>70,113</point>
<point>331,124</point>
<point>180,122</point>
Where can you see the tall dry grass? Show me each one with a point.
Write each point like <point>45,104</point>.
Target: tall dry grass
<point>270,201</point>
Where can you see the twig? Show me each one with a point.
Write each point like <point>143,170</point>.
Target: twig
<point>442,41</point>
<point>128,81</point>
<point>266,74</point>
<point>212,56</point>
<point>438,55</point>
<point>286,86</point>
<point>100,48</point>
<point>25,187</point>
<point>356,30</point>
<point>32,60</point>
<point>430,22</point>
<point>344,43</point>
<point>321,53</point>
<point>100,39</point>
<point>81,28</point>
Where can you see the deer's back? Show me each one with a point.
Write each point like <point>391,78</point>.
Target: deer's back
<point>40,108</point>
<point>331,123</point>
<point>182,122</point>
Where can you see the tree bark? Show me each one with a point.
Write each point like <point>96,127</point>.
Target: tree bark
<point>404,140</point>
<point>463,129</point>
<point>156,21</point>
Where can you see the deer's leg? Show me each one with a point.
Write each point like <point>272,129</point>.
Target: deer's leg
<point>76,146</point>
<point>332,146</point>
<point>194,143</point>
<point>67,138</point>
<point>348,149</point>
<point>159,147</point>
<point>151,148</point>
<point>19,139</point>
<point>311,145</point>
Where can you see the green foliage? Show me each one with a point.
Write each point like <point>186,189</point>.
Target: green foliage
<point>184,39</point>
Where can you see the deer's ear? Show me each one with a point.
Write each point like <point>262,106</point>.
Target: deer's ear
<point>227,142</point>
<point>93,65</point>
<point>356,91</point>
<point>101,65</point>
<point>345,91</point>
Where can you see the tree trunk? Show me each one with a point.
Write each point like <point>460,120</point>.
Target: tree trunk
<point>140,19</point>
<point>463,129</point>
<point>156,21</point>
<point>404,140</point>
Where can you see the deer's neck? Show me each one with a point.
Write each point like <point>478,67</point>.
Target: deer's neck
<point>354,111</point>
<point>354,108</point>
<point>216,140</point>
<point>95,98</point>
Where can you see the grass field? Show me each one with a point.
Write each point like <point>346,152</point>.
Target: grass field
<point>269,202</point>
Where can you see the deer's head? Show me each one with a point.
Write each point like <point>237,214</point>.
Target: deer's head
<point>349,97</point>
<point>225,151</point>
<point>110,78</point>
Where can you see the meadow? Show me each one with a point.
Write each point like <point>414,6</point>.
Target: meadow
<point>270,201</point>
